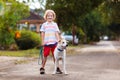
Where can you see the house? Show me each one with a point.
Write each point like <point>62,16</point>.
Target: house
<point>32,22</point>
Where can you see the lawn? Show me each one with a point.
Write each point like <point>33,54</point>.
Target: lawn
<point>34,52</point>
<point>21,53</point>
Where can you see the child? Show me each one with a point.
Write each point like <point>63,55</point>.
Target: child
<point>50,36</point>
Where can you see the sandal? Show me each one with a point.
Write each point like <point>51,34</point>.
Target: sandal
<point>58,71</point>
<point>42,71</point>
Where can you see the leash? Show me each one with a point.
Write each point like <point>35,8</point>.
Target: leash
<point>40,55</point>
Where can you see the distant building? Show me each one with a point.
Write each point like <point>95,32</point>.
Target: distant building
<point>33,22</point>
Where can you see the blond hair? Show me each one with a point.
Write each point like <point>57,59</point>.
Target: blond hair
<point>49,11</point>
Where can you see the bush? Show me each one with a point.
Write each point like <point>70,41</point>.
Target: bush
<point>6,39</point>
<point>27,40</point>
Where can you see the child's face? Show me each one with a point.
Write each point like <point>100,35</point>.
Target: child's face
<point>50,17</point>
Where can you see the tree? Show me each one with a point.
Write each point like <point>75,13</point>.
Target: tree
<point>110,11</point>
<point>69,11</point>
<point>111,15</point>
<point>115,12</point>
<point>92,26</point>
<point>13,12</point>
<point>83,15</point>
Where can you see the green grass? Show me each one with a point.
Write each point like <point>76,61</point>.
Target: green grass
<point>21,53</point>
<point>34,52</point>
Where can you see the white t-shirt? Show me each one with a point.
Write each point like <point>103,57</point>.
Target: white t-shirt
<point>50,29</point>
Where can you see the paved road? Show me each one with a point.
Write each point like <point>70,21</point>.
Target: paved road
<point>95,62</point>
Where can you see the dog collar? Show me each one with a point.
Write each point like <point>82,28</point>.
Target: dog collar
<point>60,50</point>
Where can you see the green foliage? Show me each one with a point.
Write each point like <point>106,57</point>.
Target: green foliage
<point>80,34</point>
<point>91,26</point>
<point>69,11</point>
<point>28,40</point>
<point>110,12</point>
<point>6,38</point>
<point>12,13</point>
<point>110,16</point>
<point>115,12</point>
<point>91,16</point>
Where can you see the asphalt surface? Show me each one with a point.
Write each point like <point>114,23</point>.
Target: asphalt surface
<point>94,62</point>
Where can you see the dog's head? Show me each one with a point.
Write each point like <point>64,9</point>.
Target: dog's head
<point>63,43</point>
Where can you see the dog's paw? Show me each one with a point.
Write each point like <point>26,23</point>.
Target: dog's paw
<point>65,73</point>
<point>54,73</point>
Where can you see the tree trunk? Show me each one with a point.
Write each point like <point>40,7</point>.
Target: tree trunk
<point>73,33</point>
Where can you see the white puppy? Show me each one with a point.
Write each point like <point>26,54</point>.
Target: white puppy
<point>60,53</point>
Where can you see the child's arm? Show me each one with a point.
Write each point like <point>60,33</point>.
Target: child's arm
<point>42,38</point>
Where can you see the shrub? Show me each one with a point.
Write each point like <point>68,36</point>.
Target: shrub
<point>6,39</point>
<point>27,40</point>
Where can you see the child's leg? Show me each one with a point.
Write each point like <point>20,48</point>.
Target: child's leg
<point>45,54</point>
<point>44,62</point>
<point>42,70</point>
<point>52,49</point>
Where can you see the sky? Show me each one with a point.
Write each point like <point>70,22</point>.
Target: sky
<point>35,4</point>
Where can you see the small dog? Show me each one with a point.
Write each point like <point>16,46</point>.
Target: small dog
<point>60,53</point>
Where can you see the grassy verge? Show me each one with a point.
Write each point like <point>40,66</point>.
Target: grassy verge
<point>21,53</point>
<point>34,52</point>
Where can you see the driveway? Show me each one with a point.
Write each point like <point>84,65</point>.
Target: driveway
<point>94,62</point>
